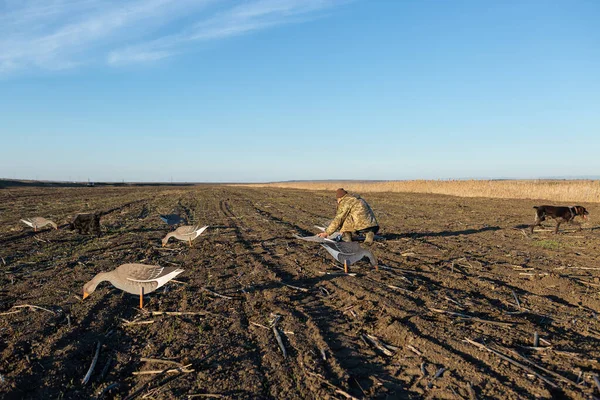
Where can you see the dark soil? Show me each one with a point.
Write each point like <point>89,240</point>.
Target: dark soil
<point>468,256</point>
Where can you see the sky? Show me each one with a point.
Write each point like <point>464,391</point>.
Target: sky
<point>273,90</point>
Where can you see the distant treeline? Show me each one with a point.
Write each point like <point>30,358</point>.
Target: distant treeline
<point>6,183</point>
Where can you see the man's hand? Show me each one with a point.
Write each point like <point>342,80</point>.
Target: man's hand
<point>322,234</point>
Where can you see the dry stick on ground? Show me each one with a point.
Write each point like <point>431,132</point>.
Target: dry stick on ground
<point>579,377</point>
<point>277,335</point>
<point>216,294</point>
<point>523,358</point>
<point>107,389</point>
<point>295,287</point>
<point>158,360</point>
<point>472,394</point>
<point>586,282</point>
<point>536,348</point>
<point>208,395</point>
<point>166,249</point>
<point>325,381</point>
<point>128,323</point>
<point>171,370</point>
<point>516,299</point>
<point>158,387</point>
<point>34,307</point>
<point>470,317</point>
<point>143,387</point>
<point>106,367</point>
<point>414,350</point>
<point>11,312</point>
<point>337,273</point>
<point>87,376</point>
<point>596,381</point>
<point>450,299</point>
<point>176,313</point>
<point>385,349</point>
<point>259,325</point>
<point>437,375</point>
<point>40,239</point>
<point>399,288</point>
<point>513,362</point>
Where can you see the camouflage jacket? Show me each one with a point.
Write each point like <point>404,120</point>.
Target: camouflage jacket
<point>353,214</point>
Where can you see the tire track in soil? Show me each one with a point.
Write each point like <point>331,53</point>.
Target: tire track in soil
<point>259,348</point>
<point>340,342</point>
<point>292,379</point>
<point>356,290</point>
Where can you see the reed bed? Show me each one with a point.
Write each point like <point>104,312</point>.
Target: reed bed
<point>566,191</point>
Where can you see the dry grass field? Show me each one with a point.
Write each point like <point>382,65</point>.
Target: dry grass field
<point>461,291</point>
<point>584,191</point>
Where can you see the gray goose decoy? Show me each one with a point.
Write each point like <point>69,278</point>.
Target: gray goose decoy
<point>185,233</point>
<point>134,278</point>
<point>38,222</point>
<point>348,253</point>
<point>171,219</point>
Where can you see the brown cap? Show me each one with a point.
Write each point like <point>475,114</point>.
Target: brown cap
<point>340,193</point>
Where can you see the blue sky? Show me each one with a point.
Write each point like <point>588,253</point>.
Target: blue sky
<point>267,90</point>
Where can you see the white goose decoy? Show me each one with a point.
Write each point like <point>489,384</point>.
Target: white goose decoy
<point>316,238</point>
<point>185,234</point>
<point>134,278</point>
<point>38,222</point>
<point>337,235</point>
<point>348,253</point>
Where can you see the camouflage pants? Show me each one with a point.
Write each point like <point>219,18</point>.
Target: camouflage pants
<point>350,226</point>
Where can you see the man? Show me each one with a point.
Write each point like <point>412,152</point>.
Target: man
<point>353,215</point>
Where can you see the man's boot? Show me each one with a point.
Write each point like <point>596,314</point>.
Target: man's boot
<point>369,238</point>
<point>347,237</point>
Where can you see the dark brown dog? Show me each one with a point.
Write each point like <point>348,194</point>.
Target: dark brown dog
<point>560,214</point>
<point>86,223</point>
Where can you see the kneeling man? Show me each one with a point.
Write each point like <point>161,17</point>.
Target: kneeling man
<point>353,215</point>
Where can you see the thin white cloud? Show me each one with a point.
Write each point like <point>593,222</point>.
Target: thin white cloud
<point>62,34</point>
<point>243,18</point>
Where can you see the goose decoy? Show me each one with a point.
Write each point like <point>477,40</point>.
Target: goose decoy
<point>185,234</point>
<point>315,238</point>
<point>38,222</point>
<point>134,278</point>
<point>171,219</point>
<point>348,253</point>
<point>337,235</point>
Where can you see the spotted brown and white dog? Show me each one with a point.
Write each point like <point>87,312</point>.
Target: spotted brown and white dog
<point>560,214</point>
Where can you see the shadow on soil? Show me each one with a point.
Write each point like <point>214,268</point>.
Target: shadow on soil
<point>417,235</point>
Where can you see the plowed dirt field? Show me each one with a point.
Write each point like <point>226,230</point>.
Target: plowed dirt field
<point>461,290</point>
